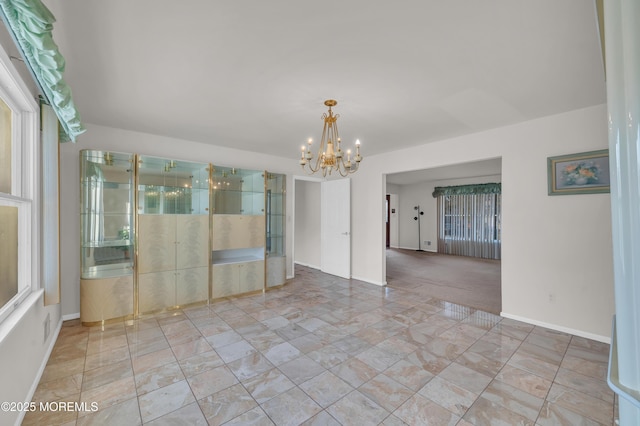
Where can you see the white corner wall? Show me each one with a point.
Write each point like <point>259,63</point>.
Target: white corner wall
<point>307,223</point>
<point>557,267</point>
<point>24,352</point>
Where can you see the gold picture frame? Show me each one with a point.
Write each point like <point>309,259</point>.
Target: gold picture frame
<point>581,173</point>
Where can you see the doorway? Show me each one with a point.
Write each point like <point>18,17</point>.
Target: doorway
<point>438,278</point>
<point>322,225</point>
<point>388,221</point>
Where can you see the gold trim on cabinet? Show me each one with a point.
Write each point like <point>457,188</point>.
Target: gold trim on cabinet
<point>235,296</point>
<point>172,309</point>
<point>211,169</point>
<point>136,181</point>
<point>264,245</point>
<point>108,321</point>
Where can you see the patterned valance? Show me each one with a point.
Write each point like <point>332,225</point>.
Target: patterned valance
<point>30,23</point>
<point>480,188</point>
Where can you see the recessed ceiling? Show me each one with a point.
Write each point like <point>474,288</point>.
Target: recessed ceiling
<point>253,75</point>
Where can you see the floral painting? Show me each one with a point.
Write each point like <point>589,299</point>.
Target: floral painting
<point>583,173</point>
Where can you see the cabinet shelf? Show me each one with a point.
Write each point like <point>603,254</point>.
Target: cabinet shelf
<point>110,243</point>
<point>239,259</point>
<point>111,271</point>
<point>223,257</point>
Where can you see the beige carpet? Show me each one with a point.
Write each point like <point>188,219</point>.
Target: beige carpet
<point>463,280</point>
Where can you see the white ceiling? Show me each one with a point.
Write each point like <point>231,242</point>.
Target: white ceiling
<point>254,75</point>
<point>457,171</point>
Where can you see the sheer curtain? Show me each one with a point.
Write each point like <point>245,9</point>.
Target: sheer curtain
<point>469,220</point>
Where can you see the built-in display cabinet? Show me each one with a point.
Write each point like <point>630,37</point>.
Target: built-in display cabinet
<point>159,234</point>
<point>106,235</point>
<point>238,249</point>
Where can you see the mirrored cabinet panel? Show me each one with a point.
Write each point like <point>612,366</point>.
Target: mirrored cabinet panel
<point>159,233</point>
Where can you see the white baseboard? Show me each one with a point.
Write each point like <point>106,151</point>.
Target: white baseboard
<point>307,265</point>
<point>70,317</point>
<point>579,333</point>
<point>415,248</point>
<point>366,280</point>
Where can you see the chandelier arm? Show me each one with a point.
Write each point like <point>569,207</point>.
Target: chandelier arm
<point>345,173</point>
<point>318,160</point>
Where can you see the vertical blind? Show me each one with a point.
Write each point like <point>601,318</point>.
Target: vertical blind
<point>469,220</point>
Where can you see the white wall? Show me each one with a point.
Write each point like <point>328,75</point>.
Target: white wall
<point>23,348</point>
<point>420,194</point>
<point>556,251</point>
<point>394,220</point>
<point>393,188</point>
<point>307,223</point>
<point>117,140</point>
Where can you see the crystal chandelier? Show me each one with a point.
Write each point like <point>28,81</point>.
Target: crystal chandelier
<point>330,156</point>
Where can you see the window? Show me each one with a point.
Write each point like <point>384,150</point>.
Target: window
<point>18,183</point>
<point>469,224</point>
<point>8,253</point>
<point>5,147</point>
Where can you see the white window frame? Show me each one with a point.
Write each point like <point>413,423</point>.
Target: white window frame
<point>25,175</point>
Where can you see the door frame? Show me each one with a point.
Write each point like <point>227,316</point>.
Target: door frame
<point>388,226</point>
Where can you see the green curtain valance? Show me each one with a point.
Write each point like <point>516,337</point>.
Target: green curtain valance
<point>30,23</point>
<point>480,188</point>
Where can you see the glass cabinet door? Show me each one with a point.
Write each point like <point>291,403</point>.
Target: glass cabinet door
<point>106,213</point>
<point>275,228</point>
<point>237,191</point>
<point>172,187</point>
<point>275,211</point>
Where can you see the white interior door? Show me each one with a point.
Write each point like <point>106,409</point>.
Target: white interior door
<point>335,227</point>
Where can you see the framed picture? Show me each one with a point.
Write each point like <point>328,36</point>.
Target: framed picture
<point>582,173</point>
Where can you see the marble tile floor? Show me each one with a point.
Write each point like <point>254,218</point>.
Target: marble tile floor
<point>325,351</point>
